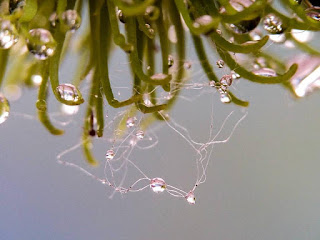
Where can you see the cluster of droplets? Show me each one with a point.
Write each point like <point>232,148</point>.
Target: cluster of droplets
<point>273,24</point>
<point>8,34</point>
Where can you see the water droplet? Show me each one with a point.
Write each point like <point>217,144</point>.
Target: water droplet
<point>170,61</point>
<point>69,110</point>
<point>121,17</point>
<point>158,185</point>
<point>226,80</point>
<point>4,109</point>
<point>131,122</point>
<point>302,35</point>
<point>152,13</point>
<point>71,19</point>
<point>70,93</point>
<point>8,34</point>
<point>265,72</point>
<point>110,154</point>
<point>187,65</point>
<point>203,21</point>
<point>225,97</point>
<point>140,134</point>
<point>220,63</point>
<point>273,24</point>
<point>245,26</point>
<point>41,105</point>
<point>191,198</point>
<point>235,75</point>
<point>41,43</point>
<point>313,13</point>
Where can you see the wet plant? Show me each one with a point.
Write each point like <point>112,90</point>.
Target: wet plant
<point>35,35</point>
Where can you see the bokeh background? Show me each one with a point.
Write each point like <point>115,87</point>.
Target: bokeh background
<point>262,184</point>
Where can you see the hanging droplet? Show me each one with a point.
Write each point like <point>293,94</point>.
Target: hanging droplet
<point>245,26</point>
<point>220,63</point>
<point>187,65</point>
<point>203,21</point>
<point>131,122</point>
<point>121,17</point>
<point>4,109</point>
<point>140,134</point>
<point>225,97</point>
<point>71,19</point>
<point>41,43</point>
<point>110,154</point>
<point>265,72</point>
<point>170,61</point>
<point>158,185</point>
<point>8,34</point>
<point>152,13</point>
<point>150,30</point>
<point>313,13</point>
<point>235,75</point>
<point>226,80</point>
<point>70,94</point>
<point>191,198</point>
<point>273,24</point>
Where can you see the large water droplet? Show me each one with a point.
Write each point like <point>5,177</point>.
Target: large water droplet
<point>8,34</point>
<point>131,122</point>
<point>225,97</point>
<point>191,198</point>
<point>158,185</point>
<point>313,13</point>
<point>71,19</point>
<point>220,63</point>
<point>121,17</point>
<point>265,72</point>
<point>110,154</point>
<point>70,94</point>
<point>245,26</point>
<point>4,109</point>
<point>273,24</point>
<point>41,43</point>
<point>226,80</point>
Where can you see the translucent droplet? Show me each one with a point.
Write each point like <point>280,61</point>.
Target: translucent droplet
<point>158,185</point>
<point>170,61</point>
<point>220,63</point>
<point>203,21</point>
<point>110,154</point>
<point>4,109</point>
<point>151,30</point>
<point>140,134</point>
<point>41,105</point>
<point>191,198</point>
<point>313,13</point>
<point>187,65</point>
<point>121,16</point>
<point>8,34</point>
<point>70,93</point>
<point>302,35</point>
<point>71,19</point>
<point>273,24</point>
<point>131,122</point>
<point>226,80</point>
<point>265,72</point>
<point>245,26</point>
<point>225,97</point>
<point>235,75</point>
<point>152,13</point>
<point>41,43</point>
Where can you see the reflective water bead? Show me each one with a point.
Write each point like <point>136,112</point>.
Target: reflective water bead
<point>4,109</point>
<point>235,75</point>
<point>41,43</point>
<point>313,13</point>
<point>71,19</point>
<point>140,134</point>
<point>225,98</point>
<point>121,16</point>
<point>170,61</point>
<point>158,185</point>
<point>70,93</point>
<point>110,154</point>
<point>226,80</point>
<point>273,24</point>
<point>131,122</point>
<point>220,63</point>
<point>191,198</point>
<point>265,72</point>
<point>8,34</point>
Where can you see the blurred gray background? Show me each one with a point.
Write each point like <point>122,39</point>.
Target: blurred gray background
<point>262,184</point>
